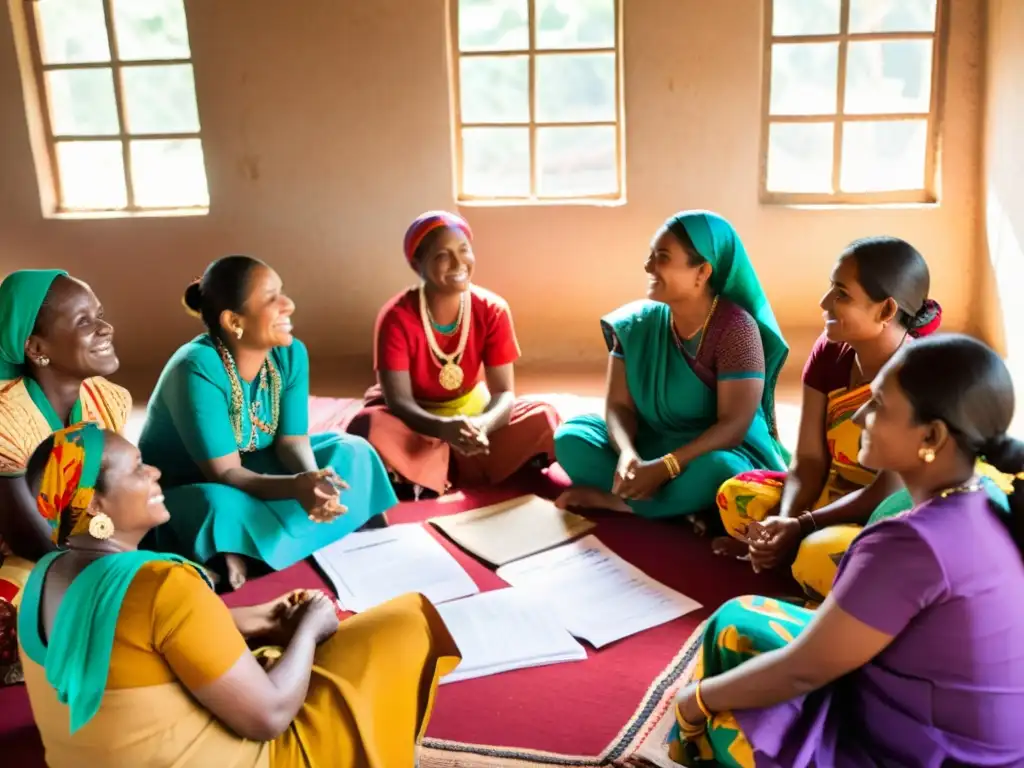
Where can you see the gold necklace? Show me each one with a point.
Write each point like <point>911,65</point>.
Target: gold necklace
<point>702,331</point>
<point>451,375</point>
<point>971,486</point>
<point>267,371</point>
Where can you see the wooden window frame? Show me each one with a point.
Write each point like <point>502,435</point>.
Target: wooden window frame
<point>29,48</point>
<point>928,194</point>
<point>531,52</point>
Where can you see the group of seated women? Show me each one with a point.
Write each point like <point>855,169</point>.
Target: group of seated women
<point>896,515</point>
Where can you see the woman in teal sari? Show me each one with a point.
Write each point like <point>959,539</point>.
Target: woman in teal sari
<point>691,381</point>
<point>227,426</point>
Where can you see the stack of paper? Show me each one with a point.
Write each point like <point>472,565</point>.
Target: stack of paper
<point>504,532</point>
<point>505,630</point>
<point>595,593</point>
<point>368,568</point>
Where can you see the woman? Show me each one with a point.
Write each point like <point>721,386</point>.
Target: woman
<point>55,349</point>
<point>432,417</point>
<point>691,381</point>
<point>877,301</point>
<point>227,426</point>
<point>913,659</point>
<point>131,659</point>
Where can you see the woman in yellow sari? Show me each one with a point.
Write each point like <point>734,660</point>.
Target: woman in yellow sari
<point>131,659</point>
<point>55,349</point>
<point>877,301</point>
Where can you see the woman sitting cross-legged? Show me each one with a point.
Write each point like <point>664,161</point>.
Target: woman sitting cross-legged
<point>132,660</point>
<point>691,381</point>
<point>914,659</point>
<point>432,417</point>
<point>877,301</point>
<point>227,426</point>
<point>55,349</point>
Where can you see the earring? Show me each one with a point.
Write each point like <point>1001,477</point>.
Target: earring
<point>101,526</point>
<point>43,361</point>
<point>927,455</point>
<point>238,333</point>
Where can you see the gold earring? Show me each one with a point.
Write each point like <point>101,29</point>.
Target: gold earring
<point>101,526</point>
<point>927,455</point>
<point>238,333</point>
<point>43,361</point>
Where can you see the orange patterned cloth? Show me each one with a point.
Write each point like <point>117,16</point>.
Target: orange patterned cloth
<point>69,479</point>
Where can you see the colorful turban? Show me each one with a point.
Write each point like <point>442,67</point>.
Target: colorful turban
<point>69,479</point>
<point>426,223</point>
<point>21,297</point>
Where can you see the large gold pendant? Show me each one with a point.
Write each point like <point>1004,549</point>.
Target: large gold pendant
<point>451,376</point>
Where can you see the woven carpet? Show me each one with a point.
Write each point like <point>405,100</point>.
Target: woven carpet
<point>599,712</point>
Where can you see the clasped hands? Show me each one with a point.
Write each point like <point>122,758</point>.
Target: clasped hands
<point>466,436</point>
<point>275,622</point>
<point>319,492</point>
<point>636,479</point>
<point>772,541</point>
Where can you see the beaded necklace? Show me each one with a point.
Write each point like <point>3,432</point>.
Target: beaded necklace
<point>268,371</point>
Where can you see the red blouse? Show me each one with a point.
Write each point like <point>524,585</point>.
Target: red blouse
<point>829,365</point>
<point>400,344</point>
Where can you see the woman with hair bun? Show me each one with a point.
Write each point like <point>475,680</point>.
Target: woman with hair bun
<point>915,658</point>
<point>228,428</point>
<point>877,301</point>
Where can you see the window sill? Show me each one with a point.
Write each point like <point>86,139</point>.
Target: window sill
<point>568,202</point>
<point>905,206</point>
<point>154,213</point>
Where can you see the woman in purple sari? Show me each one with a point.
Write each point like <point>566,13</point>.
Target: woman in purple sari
<point>916,658</point>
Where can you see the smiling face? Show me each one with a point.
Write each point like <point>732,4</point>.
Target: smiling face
<point>851,315</point>
<point>671,275</point>
<point>129,491</point>
<point>892,437</point>
<point>266,317</point>
<point>445,260</point>
<point>72,334</point>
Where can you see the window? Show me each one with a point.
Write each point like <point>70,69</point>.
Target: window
<point>538,100</point>
<point>850,101</point>
<point>118,104</point>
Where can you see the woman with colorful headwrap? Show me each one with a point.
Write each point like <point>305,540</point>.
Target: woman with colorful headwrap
<point>131,659</point>
<point>914,658</point>
<point>228,426</point>
<point>691,381</point>
<point>432,417</point>
<point>877,302</point>
<point>55,349</point>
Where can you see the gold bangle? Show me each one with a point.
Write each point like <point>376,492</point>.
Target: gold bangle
<point>700,701</point>
<point>672,464</point>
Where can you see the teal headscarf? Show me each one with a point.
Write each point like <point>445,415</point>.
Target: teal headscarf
<point>733,277</point>
<point>21,297</point>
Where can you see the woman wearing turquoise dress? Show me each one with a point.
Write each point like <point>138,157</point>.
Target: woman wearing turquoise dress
<point>691,381</point>
<point>227,426</point>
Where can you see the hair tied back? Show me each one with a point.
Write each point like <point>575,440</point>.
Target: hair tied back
<point>192,299</point>
<point>927,320</point>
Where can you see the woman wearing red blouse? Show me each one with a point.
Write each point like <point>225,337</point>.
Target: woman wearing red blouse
<point>444,409</point>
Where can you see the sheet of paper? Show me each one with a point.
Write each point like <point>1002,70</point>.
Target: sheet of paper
<point>510,530</point>
<point>596,594</point>
<point>368,568</point>
<point>504,630</point>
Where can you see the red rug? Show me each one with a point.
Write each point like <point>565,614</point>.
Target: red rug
<point>591,713</point>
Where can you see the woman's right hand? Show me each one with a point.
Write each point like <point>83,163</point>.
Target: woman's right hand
<point>319,493</point>
<point>778,537</point>
<point>628,464</point>
<point>464,437</point>
<point>319,616</point>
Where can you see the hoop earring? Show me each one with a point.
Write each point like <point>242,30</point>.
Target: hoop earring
<point>101,526</point>
<point>927,455</point>
<point>238,333</point>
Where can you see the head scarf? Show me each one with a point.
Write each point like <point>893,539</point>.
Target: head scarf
<point>21,297</point>
<point>733,277</point>
<point>69,479</point>
<point>426,223</point>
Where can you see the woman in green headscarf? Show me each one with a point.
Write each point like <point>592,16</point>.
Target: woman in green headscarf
<point>691,381</point>
<point>55,347</point>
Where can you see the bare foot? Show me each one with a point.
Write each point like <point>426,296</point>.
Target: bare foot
<point>236,570</point>
<point>726,546</point>
<point>591,498</point>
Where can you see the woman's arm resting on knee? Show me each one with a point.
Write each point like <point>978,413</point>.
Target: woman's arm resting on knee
<point>397,388</point>
<point>501,383</point>
<point>738,401</point>
<point>809,468</point>
<point>857,507</point>
<point>619,408</point>
<point>296,453</point>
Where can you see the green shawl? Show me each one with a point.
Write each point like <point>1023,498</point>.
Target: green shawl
<point>21,297</point>
<point>77,657</point>
<point>733,277</point>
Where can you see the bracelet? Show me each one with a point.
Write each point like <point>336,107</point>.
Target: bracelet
<point>672,464</point>
<point>700,701</point>
<point>805,519</point>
